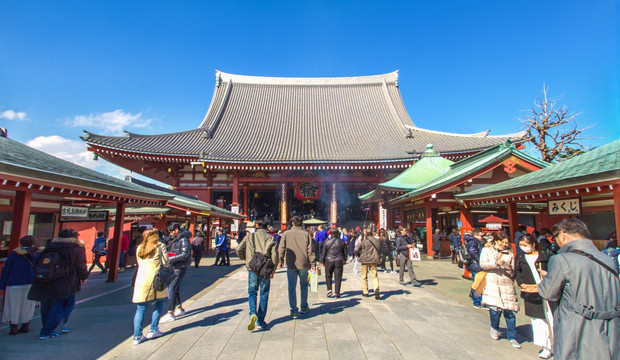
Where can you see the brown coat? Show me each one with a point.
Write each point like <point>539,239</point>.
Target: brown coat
<point>368,251</point>
<point>263,243</point>
<point>147,268</point>
<point>296,249</point>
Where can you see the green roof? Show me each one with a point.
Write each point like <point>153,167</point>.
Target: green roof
<point>463,169</point>
<point>600,164</point>
<point>422,171</point>
<point>22,161</point>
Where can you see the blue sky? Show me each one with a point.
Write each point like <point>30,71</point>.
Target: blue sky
<point>149,67</point>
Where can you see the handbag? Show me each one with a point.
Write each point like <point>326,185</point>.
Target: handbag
<point>414,254</point>
<point>164,276</point>
<point>531,297</point>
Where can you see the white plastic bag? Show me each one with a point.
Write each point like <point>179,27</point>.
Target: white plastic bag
<point>314,281</point>
<point>414,254</point>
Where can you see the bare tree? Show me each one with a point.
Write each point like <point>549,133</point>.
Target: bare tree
<point>553,130</point>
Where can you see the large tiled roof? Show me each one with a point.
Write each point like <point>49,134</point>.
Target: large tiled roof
<point>462,170</point>
<point>19,160</point>
<point>595,166</point>
<point>301,120</point>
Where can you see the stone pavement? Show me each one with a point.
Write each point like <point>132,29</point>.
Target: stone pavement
<point>436,321</point>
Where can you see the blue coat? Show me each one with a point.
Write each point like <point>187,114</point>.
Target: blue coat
<point>17,270</point>
<point>473,247</point>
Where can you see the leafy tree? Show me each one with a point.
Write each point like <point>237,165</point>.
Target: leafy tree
<point>553,130</point>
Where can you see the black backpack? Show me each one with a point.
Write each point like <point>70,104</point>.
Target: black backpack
<point>49,268</point>
<point>261,264</point>
<point>465,256</point>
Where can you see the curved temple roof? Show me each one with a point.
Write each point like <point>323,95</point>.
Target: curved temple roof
<point>301,120</point>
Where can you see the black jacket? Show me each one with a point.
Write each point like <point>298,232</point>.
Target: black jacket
<point>71,254</point>
<point>334,251</point>
<point>523,275</point>
<point>386,246</point>
<point>401,245</point>
<point>179,246</point>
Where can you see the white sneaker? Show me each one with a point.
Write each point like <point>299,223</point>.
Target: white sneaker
<point>495,334</point>
<point>154,334</point>
<point>168,318</point>
<point>179,312</point>
<point>545,354</point>
<point>138,340</point>
<point>515,344</point>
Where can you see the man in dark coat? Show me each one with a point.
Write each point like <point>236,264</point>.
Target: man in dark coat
<point>403,244</point>
<point>583,287</point>
<point>179,256</point>
<point>57,296</point>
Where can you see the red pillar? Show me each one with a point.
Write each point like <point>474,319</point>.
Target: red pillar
<point>513,223</point>
<point>192,224</point>
<point>114,249</point>
<point>235,194</point>
<point>467,222</point>
<point>245,202</point>
<point>429,229</point>
<point>208,236</point>
<point>617,208</point>
<point>21,217</point>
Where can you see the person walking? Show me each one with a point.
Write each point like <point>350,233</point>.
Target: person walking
<point>369,256</point>
<point>16,281</point>
<point>56,292</point>
<point>222,248</point>
<point>334,257</point>
<point>151,254</point>
<point>437,236</point>
<point>474,244</point>
<point>319,237</point>
<point>455,244</point>
<point>99,250</point>
<point>499,294</point>
<point>258,242</point>
<point>179,249</point>
<point>583,284</point>
<point>386,251</point>
<point>527,276</point>
<point>296,250</point>
<point>198,243</point>
<point>403,244</point>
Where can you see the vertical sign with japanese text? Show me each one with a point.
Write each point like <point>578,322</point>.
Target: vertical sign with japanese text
<point>334,207</point>
<point>283,209</point>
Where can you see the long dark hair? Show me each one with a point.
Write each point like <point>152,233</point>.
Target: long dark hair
<point>30,242</point>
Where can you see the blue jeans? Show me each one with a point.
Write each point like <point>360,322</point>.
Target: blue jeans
<point>292,275</point>
<point>477,298</point>
<point>511,322</point>
<point>139,317</point>
<point>320,250</point>
<point>254,282</point>
<point>54,312</point>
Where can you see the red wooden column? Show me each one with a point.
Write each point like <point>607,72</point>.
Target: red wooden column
<point>513,223</point>
<point>192,224</point>
<point>467,222</point>
<point>114,249</point>
<point>245,201</point>
<point>283,207</point>
<point>21,217</point>
<point>429,229</point>
<point>235,190</point>
<point>617,208</point>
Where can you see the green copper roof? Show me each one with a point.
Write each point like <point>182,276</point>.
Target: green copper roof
<point>19,160</point>
<point>463,169</point>
<point>427,168</point>
<point>601,164</point>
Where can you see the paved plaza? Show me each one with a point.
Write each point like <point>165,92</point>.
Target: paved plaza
<point>436,321</point>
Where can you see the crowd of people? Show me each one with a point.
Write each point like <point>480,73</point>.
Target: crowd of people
<point>569,289</point>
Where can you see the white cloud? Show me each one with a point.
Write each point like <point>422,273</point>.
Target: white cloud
<point>12,115</point>
<point>112,123</point>
<point>70,150</point>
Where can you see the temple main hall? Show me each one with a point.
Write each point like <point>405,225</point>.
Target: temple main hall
<point>275,147</point>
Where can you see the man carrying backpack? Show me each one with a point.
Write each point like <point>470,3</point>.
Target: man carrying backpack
<point>59,274</point>
<point>261,269</point>
<point>474,242</point>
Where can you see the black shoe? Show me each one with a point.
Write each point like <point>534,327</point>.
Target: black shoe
<point>365,295</point>
<point>377,294</point>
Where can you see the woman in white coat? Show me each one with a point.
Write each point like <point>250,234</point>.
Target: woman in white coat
<point>151,254</point>
<point>499,293</point>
